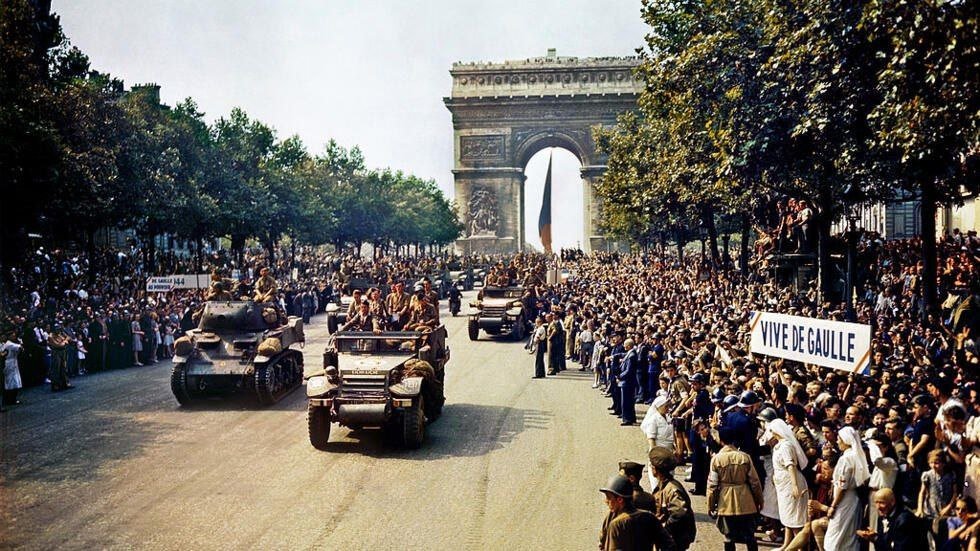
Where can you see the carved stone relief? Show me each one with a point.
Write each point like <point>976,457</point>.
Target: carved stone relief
<point>483,212</point>
<point>481,147</point>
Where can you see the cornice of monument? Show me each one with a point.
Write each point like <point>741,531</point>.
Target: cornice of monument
<point>550,75</point>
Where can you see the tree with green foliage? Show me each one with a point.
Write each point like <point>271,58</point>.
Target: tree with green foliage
<point>927,123</point>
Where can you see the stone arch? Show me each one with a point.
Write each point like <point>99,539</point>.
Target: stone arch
<point>531,144</point>
<point>504,113</point>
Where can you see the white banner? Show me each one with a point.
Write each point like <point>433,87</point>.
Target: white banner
<point>180,281</point>
<point>159,284</point>
<point>836,344</point>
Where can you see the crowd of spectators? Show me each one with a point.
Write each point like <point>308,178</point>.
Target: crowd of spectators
<point>675,337</point>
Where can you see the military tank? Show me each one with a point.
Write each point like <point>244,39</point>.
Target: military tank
<point>239,347</point>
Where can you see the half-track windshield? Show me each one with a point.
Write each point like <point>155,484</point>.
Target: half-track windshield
<point>395,342</point>
<point>503,292</point>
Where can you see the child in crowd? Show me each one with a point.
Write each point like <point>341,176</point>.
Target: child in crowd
<point>937,497</point>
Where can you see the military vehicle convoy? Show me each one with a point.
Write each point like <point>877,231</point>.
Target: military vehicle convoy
<point>239,346</point>
<point>391,380</point>
<point>499,311</point>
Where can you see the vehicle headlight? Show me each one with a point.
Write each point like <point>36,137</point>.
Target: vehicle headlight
<point>317,382</point>
<point>514,312</point>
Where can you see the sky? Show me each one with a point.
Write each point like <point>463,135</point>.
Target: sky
<point>370,73</point>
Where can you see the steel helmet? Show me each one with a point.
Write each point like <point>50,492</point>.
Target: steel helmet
<point>619,485</point>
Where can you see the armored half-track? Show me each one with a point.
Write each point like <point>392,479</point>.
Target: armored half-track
<point>499,311</point>
<point>239,347</point>
<point>390,380</point>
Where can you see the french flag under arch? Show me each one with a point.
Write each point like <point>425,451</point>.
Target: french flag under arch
<point>544,218</point>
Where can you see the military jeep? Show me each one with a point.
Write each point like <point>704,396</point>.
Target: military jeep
<point>499,311</point>
<point>391,380</point>
<point>239,346</point>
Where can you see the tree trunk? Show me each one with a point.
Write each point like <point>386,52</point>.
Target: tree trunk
<point>929,261</point>
<point>270,247</point>
<point>824,271</point>
<point>151,253</point>
<point>292,253</point>
<point>708,219</point>
<point>200,254</point>
<point>90,250</point>
<point>743,260</point>
<point>680,245</point>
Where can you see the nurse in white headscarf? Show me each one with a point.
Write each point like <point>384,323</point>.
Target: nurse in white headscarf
<point>850,473</point>
<point>657,427</point>
<point>792,493</point>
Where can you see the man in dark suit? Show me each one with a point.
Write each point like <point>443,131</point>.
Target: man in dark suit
<point>627,383</point>
<point>898,529</point>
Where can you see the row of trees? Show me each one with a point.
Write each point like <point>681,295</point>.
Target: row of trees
<point>834,102</point>
<point>78,152</point>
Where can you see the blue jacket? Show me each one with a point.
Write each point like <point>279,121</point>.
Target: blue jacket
<point>627,369</point>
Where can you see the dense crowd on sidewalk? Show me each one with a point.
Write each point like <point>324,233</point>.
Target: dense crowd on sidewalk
<point>807,456</point>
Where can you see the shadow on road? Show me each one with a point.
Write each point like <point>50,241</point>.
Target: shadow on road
<point>79,455</point>
<point>463,430</point>
<point>244,401</point>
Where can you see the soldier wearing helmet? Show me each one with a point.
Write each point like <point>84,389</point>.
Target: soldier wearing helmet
<point>423,314</point>
<point>627,527</point>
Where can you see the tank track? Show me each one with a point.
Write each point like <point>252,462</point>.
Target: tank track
<point>279,377</point>
<point>178,384</point>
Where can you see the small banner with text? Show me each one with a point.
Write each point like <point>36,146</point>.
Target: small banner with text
<point>837,344</point>
<point>165,284</point>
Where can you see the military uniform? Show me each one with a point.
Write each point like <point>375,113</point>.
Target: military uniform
<point>634,530</point>
<point>672,505</point>
<point>218,292</point>
<point>735,492</point>
<point>422,315</point>
<point>265,289</point>
<point>398,305</point>
<point>58,342</point>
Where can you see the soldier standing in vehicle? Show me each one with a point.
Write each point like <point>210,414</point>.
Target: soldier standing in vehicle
<point>432,295</point>
<point>399,306</point>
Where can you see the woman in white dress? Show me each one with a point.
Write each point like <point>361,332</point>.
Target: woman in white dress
<point>11,370</point>
<point>850,473</point>
<point>657,427</point>
<point>792,493</point>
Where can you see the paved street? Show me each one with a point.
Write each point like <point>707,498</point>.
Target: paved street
<point>513,463</point>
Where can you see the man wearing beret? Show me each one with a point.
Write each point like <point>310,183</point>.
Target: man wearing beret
<point>672,505</point>
<point>627,528</point>
<point>633,472</point>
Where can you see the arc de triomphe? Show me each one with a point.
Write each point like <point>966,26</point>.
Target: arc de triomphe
<point>504,113</point>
